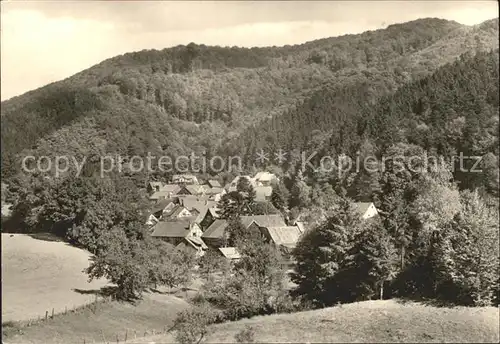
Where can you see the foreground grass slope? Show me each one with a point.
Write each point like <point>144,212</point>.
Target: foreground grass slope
<point>38,275</point>
<point>107,323</point>
<point>369,322</point>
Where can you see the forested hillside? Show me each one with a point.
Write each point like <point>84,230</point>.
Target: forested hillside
<point>453,110</point>
<point>195,98</point>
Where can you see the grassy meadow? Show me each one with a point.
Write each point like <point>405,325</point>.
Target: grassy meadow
<point>41,275</point>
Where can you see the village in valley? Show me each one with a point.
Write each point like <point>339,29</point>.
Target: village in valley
<point>185,213</point>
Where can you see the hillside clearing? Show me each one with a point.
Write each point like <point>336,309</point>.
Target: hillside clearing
<point>38,275</point>
<point>369,322</point>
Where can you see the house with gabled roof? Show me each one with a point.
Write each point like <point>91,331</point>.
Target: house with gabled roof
<point>264,178</point>
<point>178,212</point>
<point>187,179</point>
<point>164,206</point>
<point>287,236</point>
<point>154,186</point>
<point>212,183</point>
<point>215,193</point>
<point>152,220</point>
<point>192,189</point>
<point>301,226</point>
<point>274,220</point>
<point>234,183</point>
<point>263,193</point>
<point>215,235</point>
<point>230,253</point>
<point>366,209</point>
<point>6,210</point>
<point>193,244</point>
<point>174,232</point>
<point>207,217</point>
<point>166,191</point>
<point>199,203</point>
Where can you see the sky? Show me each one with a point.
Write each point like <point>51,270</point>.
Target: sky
<point>46,41</point>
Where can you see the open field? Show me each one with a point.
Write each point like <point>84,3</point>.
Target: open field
<point>111,321</point>
<point>38,275</point>
<point>369,322</point>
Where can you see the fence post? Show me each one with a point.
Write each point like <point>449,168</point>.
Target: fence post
<point>95,304</point>
<point>52,313</point>
<point>46,315</point>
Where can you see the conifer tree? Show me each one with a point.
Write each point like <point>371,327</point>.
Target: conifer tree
<point>300,194</point>
<point>321,253</point>
<point>280,197</point>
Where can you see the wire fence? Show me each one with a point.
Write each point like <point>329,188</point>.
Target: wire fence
<point>122,336</point>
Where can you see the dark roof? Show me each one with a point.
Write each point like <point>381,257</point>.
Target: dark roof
<point>171,229</point>
<point>216,229</point>
<point>274,220</point>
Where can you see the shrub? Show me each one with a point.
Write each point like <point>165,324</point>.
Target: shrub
<point>192,325</point>
<point>247,335</point>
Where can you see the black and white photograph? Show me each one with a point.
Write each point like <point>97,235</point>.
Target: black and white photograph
<point>201,172</point>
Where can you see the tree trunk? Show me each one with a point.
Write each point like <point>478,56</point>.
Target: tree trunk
<point>382,290</point>
<point>402,257</point>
